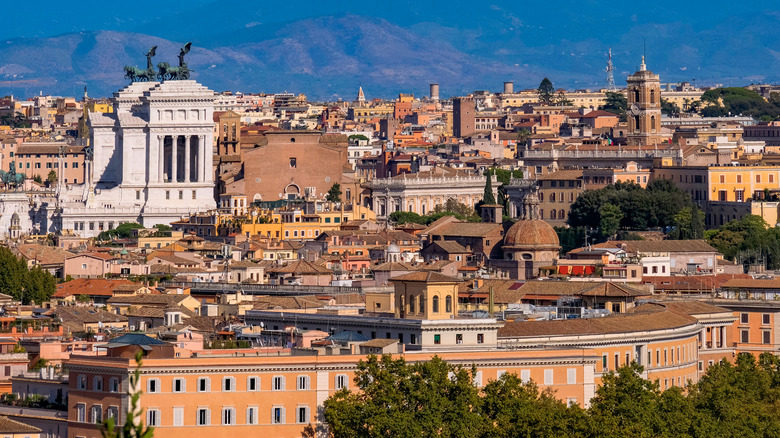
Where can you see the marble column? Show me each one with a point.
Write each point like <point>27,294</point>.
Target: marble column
<point>201,158</point>
<point>159,176</point>
<point>187,158</point>
<point>174,158</point>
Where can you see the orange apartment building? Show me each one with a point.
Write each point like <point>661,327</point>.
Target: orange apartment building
<point>276,396</point>
<point>41,158</point>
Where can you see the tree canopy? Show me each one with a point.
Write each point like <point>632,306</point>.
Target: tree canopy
<point>749,240</point>
<point>432,398</point>
<point>641,208</point>
<point>738,101</point>
<point>546,91</point>
<point>334,193</point>
<point>616,103</point>
<point>450,208</point>
<point>123,231</point>
<point>23,283</point>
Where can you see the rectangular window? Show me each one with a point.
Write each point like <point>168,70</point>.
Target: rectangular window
<point>152,386</point>
<point>167,194</point>
<point>96,414</point>
<point>278,383</point>
<point>743,318</point>
<point>341,381</point>
<point>766,336</point>
<point>228,384</point>
<point>204,384</point>
<point>458,338</point>
<point>152,417</point>
<point>480,338</point>
<point>181,194</point>
<point>113,384</point>
<point>203,417</point>
<point>253,384</point>
<point>81,413</point>
<point>178,416</point>
<point>571,376</point>
<point>113,412</point>
<point>179,385</point>
<point>525,376</point>
<point>277,415</point>
<point>765,319</point>
<point>437,339</point>
<point>228,416</point>
<point>744,336</point>
<point>548,377</point>
<point>303,383</point>
<point>302,416</point>
<point>251,415</point>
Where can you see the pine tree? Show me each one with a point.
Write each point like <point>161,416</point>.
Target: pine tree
<point>488,198</point>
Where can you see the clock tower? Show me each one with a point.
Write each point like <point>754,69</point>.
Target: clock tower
<point>644,108</point>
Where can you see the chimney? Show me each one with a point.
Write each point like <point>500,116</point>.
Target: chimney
<point>509,87</point>
<point>434,91</point>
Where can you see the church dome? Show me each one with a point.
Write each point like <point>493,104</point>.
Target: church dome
<point>393,249</point>
<point>531,233</point>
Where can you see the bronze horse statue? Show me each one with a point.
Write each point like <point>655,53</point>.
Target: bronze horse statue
<point>136,74</point>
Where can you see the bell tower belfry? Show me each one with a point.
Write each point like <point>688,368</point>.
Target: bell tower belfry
<point>644,107</point>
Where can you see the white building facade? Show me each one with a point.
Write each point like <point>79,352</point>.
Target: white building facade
<point>151,159</point>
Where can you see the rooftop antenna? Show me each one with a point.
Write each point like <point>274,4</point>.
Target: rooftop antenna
<point>610,74</point>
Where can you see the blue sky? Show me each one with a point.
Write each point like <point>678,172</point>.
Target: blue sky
<point>53,17</point>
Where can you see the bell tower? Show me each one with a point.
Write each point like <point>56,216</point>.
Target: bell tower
<point>644,107</point>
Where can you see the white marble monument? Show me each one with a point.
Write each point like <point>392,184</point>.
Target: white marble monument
<point>151,159</point>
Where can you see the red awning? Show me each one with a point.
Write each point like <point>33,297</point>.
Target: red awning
<point>590,269</point>
<point>577,270</point>
<point>563,270</point>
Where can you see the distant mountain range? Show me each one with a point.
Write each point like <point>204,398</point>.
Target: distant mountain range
<point>329,57</point>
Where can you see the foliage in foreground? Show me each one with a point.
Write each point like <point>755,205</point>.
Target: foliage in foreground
<point>23,283</point>
<point>434,398</point>
<point>133,426</point>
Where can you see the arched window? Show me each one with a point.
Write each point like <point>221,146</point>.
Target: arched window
<point>411,304</point>
<point>652,96</point>
<point>552,214</point>
<point>652,123</point>
<point>636,95</point>
<point>448,304</point>
<point>552,197</point>
<point>435,304</point>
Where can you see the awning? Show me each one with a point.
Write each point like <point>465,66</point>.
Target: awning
<point>590,269</point>
<point>563,270</point>
<point>577,270</point>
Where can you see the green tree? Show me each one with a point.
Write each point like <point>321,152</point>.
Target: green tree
<point>741,399</point>
<point>23,283</point>
<point>546,92</point>
<point>570,238</point>
<point>38,179</point>
<point>512,408</point>
<point>51,178</point>
<point>394,398</point>
<point>405,217</point>
<point>669,108</point>
<point>615,103</point>
<point>688,224</point>
<point>562,100</point>
<point>334,193</point>
<point>502,175</point>
<point>488,197</point>
<point>609,219</point>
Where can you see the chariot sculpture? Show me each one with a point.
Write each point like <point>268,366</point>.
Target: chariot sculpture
<point>165,70</point>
